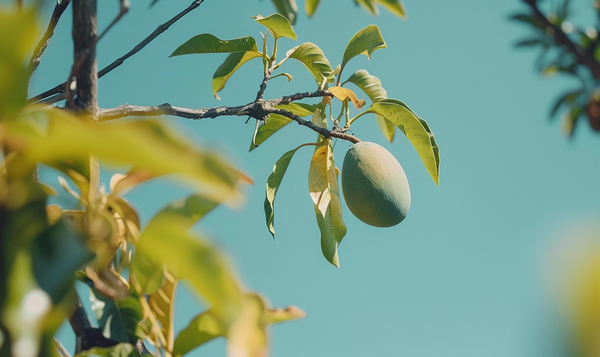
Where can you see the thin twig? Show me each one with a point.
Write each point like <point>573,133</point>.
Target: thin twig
<point>123,8</point>
<point>59,9</point>
<point>562,39</point>
<point>119,61</point>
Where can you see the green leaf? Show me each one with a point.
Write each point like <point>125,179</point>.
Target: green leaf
<point>203,328</point>
<point>324,191</point>
<point>273,183</point>
<point>168,242</point>
<point>310,6</point>
<point>312,57</point>
<point>371,85</point>
<point>162,305</point>
<point>118,318</point>
<point>364,42</point>
<point>231,64</point>
<point>120,350</point>
<point>416,130</point>
<point>276,121</point>
<point>147,144</point>
<point>149,277</point>
<point>369,5</point>
<point>287,8</point>
<point>57,253</point>
<point>278,24</point>
<point>396,7</point>
<point>19,31</point>
<point>207,43</point>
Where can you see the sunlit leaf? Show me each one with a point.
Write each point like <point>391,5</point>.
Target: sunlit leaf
<point>282,315</point>
<point>118,318</point>
<point>344,94</point>
<point>324,191</point>
<point>416,130</point>
<point>207,43</point>
<point>371,85</point>
<point>396,7</point>
<point>168,242</point>
<point>247,337</point>
<point>273,183</point>
<point>120,350</point>
<point>203,328</point>
<point>19,31</point>
<point>369,5</point>
<point>287,8</point>
<point>364,42</point>
<point>231,64</point>
<point>278,24</point>
<point>312,57</point>
<point>275,121</point>
<point>310,6</point>
<point>149,277</point>
<point>149,144</point>
<point>162,305</point>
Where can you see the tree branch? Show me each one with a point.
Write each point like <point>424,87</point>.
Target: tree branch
<point>259,109</point>
<point>59,9</point>
<point>562,39</point>
<point>119,61</point>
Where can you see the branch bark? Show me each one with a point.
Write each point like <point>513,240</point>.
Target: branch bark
<point>259,109</point>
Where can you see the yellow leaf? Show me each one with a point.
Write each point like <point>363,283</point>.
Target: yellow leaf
<point>344,94</point>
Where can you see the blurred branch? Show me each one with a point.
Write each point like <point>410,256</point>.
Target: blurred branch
<point>259,109</point>
<point>119,61</point>
<point>59,9</point>
<point>61,349</point>
<point>562,39</point>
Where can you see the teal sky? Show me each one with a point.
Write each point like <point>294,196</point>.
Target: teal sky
<point>466,273</point>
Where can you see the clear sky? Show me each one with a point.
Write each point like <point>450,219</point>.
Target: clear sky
<point>466,273</point>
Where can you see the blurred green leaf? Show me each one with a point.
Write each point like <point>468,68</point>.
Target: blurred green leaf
<point>273,183</point>
<point>396,7</point>
<point>369,5</point>
<point>118,318</point>
<point>312,57</point>
<point>364,42</point>
<point>120,350</point>
<point>371,85</point>
<point>248,335</point>
<point>149,144</point>
<point>324,192</point>
<point>310,6</point>
<point>287,8</point>
<point>416,130</point>
<point>568,97</point>
<point>14,49</point>
<point>149,277</point>
<point>203,328</point>
<point>278,24</point>
<point>162,305</point>
<point>530,42</point>
<point>275,121</point>
<point>208,43</point>
<point>168,242</point>
<point>231,64</point>
<point>57,253</point>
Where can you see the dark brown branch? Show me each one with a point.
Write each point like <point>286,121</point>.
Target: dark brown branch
<point>59,9</point>
<point>259,109</point>
<point>119,61</point>
<point>562,39</point>
<point>123,9</point>
<point>85,30</point>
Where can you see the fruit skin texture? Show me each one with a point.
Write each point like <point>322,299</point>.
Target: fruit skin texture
<point>375,186</point>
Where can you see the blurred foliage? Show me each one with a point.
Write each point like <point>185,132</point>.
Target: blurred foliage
<point>568,48</point>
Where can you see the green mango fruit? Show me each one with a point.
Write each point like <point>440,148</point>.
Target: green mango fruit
<point>375,186</point>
